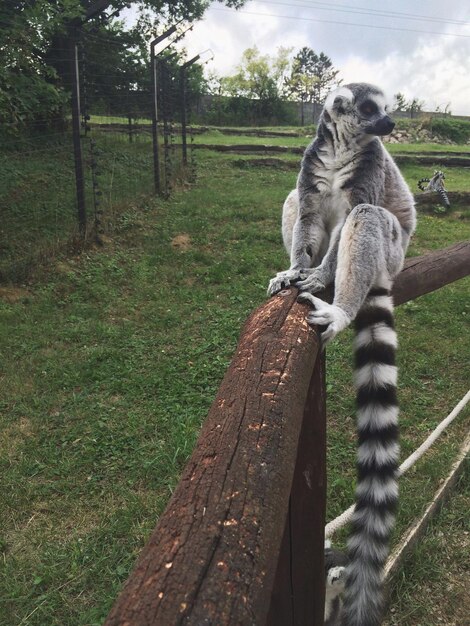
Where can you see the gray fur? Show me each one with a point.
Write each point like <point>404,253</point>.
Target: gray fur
<point>436,183</point>
<point>349,221</point>
<point>349,192</point>
<point>335,576</point>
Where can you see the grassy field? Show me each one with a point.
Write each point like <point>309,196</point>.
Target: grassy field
<point>37,183</point>
<point>432,587</point>
<point>38,194</point>
<point>112,359</point>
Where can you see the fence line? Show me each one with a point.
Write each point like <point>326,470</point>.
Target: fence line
<point>346,516</point>
<point>65,179</point>
<point>414,533</point>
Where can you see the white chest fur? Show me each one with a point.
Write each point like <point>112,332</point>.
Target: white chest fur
<point>330,173</point>
<point>333,169</point>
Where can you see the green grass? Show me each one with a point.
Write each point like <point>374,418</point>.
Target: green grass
<point>38,194</point>
<point>37,186</point>
<point>457,178</point>
<point>423,148</point>
<point>432,585</point>
<point>112,359</point>
<point>118,119</point>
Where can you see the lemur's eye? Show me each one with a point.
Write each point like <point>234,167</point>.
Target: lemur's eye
<point>368,107</point>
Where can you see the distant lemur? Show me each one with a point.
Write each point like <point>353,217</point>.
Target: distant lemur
<point>335,569</point>
<point>436,183</point>
<point>349,221</point>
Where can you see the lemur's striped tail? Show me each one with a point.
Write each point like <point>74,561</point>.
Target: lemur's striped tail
<point>444,198</point>
<point>421,181</point>
<point>377,459</point>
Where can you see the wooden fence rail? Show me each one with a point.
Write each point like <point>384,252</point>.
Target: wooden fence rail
<point>241,540</point>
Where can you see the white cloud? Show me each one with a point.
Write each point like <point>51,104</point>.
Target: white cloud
<point>431,67</point>
<point>436,72</point>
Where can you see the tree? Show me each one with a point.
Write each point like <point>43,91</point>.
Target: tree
<point>35,54</point>
<point>415,106</point>
<point>259,78</point>
<point>400,102</point>
<point>299,85</point>
<point>410,106</point>
<point>311,78</point>
<point>445,110</point>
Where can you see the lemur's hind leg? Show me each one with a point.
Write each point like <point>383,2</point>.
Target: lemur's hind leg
<point>370,254</point>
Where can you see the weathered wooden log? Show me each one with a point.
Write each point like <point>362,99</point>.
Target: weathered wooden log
<point>428,200</point>
<point>297,597</point>
<point>213,556</point>
<point>242,525</point>
<point>432,271</point>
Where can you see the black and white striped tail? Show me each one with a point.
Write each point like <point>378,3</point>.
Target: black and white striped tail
<point>377,459</point>
<point>421,181</point>
<point>444,198</point>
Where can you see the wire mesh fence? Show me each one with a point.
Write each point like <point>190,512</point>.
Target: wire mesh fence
<point>47,203</point>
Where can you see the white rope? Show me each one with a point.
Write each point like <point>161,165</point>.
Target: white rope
<point>345,517</point>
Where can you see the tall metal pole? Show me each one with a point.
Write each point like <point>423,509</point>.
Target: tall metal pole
<point>183,105</point>
<point>156,158</point>
<point>77,147</point>
<point>166,89</point>
<point>154,79</point>
<point>183,114</point>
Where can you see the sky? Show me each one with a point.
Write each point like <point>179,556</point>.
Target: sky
<point>420,48</point>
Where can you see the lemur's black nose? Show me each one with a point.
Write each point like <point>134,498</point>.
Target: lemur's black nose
<point>385,125</point>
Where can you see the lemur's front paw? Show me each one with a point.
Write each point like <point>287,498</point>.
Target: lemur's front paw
<point>336,577</point>
<point>282,280</point>
<point>313,282</point>
<point>325,314</point>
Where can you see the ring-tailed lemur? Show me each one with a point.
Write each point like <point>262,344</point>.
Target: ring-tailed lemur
<point>436,183</point>
<point>335,574</point>
<point>350,221</point>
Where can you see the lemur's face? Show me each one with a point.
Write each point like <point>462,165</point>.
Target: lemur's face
<point>358,109</point>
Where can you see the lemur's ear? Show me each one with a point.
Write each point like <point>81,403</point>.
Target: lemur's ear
<point>339,105</point>
<point>339,101</point>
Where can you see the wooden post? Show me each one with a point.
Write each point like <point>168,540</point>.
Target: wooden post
<point>308,506</point>
<point>299,588</point>
<point>129,127</point>
<point>212,558</point>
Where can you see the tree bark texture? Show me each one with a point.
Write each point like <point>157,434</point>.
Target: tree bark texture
<point>432,271</point>
<point>212,558</point>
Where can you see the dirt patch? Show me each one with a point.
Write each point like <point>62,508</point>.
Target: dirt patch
<point>13,294</point>
<point>181,242</point>
<point>13,437</point>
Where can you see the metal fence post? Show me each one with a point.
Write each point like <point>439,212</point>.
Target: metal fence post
<point>183,113</point>
<point>156,158</point>
<point>154,77</point>
<point>166,99</point>
<point>77,147</point>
